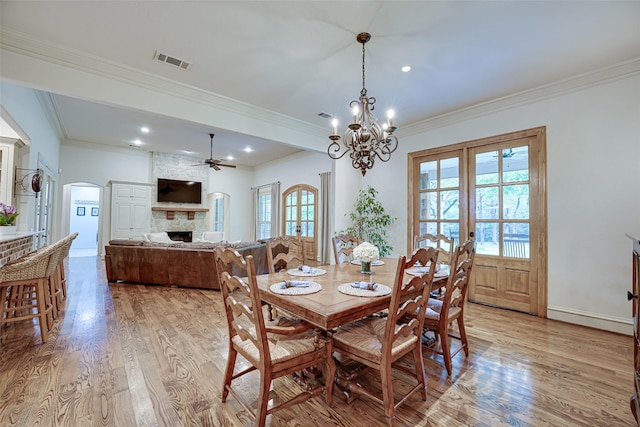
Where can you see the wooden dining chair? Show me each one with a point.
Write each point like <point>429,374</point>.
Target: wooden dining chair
<point>378,343</point>
<point>343,246</point>
<point>442,313</point>
<point>273,351</point>
<point>442,243</point>
<point>283,250</point>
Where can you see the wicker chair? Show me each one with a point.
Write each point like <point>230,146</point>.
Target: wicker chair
<point>24,291</point>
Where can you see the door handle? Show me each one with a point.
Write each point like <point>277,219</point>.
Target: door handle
<point>631,296</point>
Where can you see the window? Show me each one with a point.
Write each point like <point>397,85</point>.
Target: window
<point>218,213</point>
<point>264,213</point>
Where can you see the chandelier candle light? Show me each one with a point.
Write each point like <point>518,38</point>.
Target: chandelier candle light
<point>364,138</point>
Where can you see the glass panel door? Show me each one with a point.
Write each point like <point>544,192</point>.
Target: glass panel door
<point>439,196</point>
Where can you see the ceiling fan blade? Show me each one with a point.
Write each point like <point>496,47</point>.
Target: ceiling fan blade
<point>226,165</point>
<point>215,166</point>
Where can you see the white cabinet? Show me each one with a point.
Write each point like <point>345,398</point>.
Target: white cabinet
<point>130,210</point>
<point>6,170</point>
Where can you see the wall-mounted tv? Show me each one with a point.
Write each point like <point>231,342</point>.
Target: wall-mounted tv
<point>172,190</point>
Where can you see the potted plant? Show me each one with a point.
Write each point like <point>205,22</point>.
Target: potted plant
<point>370,221</point>
<point>8,217</point>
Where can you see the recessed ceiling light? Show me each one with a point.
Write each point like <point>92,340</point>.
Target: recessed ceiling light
<point>406,69</point>
<point>144,129</point>
<point>229,157</point>
<point>187,152</point>
<point>137,142</point>
<point>248,150</point>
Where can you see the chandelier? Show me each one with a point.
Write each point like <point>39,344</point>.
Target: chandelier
<point>365,139</point>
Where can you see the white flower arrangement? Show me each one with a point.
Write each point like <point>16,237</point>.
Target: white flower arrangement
<point>366,252</point>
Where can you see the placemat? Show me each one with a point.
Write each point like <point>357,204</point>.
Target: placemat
<point>373,263</point>
<point>419,271</point>
<point>296,290</point>
<point>347,289</point>
<point>300,273</point>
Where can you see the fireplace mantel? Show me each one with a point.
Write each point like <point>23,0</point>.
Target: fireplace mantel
<point>171,211</point>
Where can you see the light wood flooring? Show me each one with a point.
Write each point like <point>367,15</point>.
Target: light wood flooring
<point>134,355</point>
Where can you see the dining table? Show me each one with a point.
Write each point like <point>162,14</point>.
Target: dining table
<point>325,304</point>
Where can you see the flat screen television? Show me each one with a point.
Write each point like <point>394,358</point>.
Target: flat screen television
<point>172,190</point>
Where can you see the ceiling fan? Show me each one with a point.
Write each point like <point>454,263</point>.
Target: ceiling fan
<point>215,163</point>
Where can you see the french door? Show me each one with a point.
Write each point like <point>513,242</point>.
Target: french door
<point>299,205</point>
<point>493,191</point>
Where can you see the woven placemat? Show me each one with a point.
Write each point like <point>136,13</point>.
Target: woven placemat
<point>296,290</point>
<point>300,273</point>
<point>419,271</point>
<point>380,291</point>
<point>374,263</point>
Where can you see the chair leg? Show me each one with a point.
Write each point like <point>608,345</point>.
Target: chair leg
<point>263,399</point>
<point>387,393</point>
<point>445,343</point>
<point>420,374</point>
<point>330,373</point>
<point>228,373</point>
<point>463,335</point>
<point>42,310</point>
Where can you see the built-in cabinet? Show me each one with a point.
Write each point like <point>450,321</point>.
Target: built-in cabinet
<point>7,149</point>
<point>633,296</point>
<point>130,209</point>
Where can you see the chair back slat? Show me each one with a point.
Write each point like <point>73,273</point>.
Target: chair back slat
<point>343,246</point>
<point>282,251</point>
<point>443,244</point>
<point>242,302</point>
<point>458,281</point>
<point>402,304</point>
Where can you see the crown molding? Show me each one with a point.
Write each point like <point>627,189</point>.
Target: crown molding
<point>52,113</point>
<point>582,81</point>
<point>80,61</point>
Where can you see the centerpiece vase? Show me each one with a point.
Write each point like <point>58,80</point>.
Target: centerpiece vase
<point>365,267</point>
<point>8,230</point>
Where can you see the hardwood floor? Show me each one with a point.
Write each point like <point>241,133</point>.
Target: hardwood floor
<point>133,355</point>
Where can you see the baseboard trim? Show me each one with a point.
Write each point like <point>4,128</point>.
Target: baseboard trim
<point>592,320</point>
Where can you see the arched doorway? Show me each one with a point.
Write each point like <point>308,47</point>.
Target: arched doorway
<point>299,205</point>
<point>84,213</point>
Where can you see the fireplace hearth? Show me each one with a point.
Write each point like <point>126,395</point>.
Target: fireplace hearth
<point>181,236</point>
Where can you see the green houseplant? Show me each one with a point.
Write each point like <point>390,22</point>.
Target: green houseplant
<point>370,221</point>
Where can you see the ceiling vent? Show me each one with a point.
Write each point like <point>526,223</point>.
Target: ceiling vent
<point>325,115</point>
<point>167,59</point>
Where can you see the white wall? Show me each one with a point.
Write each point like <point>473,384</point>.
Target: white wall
<point>237,184</point>
<point>99,164</point>
<point>25,108</point>
<point>593,153</point>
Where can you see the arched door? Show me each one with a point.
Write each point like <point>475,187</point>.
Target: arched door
<point>299,217</point>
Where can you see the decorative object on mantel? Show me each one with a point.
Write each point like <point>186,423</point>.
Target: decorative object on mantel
<point>364,138</point>
<point>171,211</point>
<point>28,182</point>
<point>8,217</point>
<point>366,253</point>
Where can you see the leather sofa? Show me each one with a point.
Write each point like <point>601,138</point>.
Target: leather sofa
<point>173,264</point>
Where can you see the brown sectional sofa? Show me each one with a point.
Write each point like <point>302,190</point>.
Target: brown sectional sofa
<point>173,264</point>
